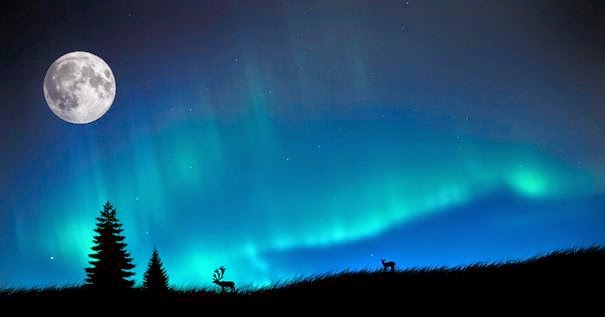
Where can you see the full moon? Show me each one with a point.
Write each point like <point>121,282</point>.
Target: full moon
<point>79,87</point>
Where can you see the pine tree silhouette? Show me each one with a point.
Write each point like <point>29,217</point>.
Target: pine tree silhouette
<point>111,264</point>
<point>155,279</point>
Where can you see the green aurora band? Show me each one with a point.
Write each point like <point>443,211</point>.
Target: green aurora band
<point>164,184</point>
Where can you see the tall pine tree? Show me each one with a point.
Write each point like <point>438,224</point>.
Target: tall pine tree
<point>111,264</point>
<point>155,279</point>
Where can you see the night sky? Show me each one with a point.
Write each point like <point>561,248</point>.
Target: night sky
<point>289,138</point>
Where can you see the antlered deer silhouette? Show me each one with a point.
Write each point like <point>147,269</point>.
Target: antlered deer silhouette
<point>217,279</point>
<point>388,264</point>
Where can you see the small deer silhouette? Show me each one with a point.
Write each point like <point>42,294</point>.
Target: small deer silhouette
<point>217,279</point>
<point>388,264</point>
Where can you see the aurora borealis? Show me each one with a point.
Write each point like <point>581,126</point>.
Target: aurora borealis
<point>287,138</point>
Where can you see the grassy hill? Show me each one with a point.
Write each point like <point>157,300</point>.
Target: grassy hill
<point>559,277</point>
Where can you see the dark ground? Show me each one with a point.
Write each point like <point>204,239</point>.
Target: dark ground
<point>559,279</point>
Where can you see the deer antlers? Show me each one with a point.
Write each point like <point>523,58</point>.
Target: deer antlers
<point>218,273</point>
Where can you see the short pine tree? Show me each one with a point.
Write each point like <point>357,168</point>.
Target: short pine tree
<point>111,264</point>
<point>155,279</point>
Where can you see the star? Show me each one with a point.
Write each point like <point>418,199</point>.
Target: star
<point>236,59</point>
<point>52,257</point>
<point>287,158</point>
<point>137,199</point>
